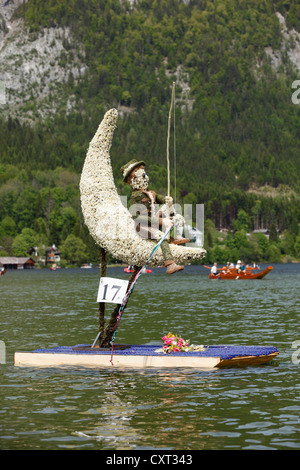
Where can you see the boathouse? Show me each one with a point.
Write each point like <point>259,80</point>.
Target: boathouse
<point>12,262</point>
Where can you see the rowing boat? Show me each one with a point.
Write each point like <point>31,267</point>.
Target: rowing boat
<point>130,269</point>
<point>232,273</point>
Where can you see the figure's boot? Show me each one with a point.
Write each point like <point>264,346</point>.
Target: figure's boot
<point>172,267</point>
<point>179,241</point>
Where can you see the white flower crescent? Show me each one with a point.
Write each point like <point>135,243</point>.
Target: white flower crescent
<point>109,222</point>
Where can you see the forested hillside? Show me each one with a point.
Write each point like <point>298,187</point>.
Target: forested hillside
<point>237,129</point>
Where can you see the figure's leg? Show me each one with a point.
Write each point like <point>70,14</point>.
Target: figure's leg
<point>170,264</point>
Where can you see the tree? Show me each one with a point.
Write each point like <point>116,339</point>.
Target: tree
<point>25,240</point>
<point>297,246</point>
<point>242,222</point>
<point>273,235</point>
<point>8,226</point>
<point>69,219</point>
<point>25,208</point>
<point>273,254</point>
<point>263,242</point>
<point>240,239</point>
<point>74,250</point>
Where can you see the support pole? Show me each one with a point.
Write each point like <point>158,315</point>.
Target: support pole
<point>101,304</point>
<point>168,138</point>
<point>106,341</point>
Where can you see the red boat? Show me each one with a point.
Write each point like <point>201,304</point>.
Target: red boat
<point>130,269</point>
<point>232,273</point>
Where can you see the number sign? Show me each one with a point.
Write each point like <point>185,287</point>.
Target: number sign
<point>111,290</point>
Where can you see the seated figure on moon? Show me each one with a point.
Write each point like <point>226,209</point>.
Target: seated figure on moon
<point>151,220</point>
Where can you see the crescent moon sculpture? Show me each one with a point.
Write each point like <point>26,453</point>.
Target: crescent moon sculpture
<point>108,220</point>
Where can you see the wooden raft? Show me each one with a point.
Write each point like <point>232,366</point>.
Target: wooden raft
<point>144,356</point>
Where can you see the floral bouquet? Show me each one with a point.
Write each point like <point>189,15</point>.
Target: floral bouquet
<point>173,343</point>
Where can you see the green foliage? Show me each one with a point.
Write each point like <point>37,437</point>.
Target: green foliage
<point>297,246</point>
<point>243,127</point>
<point>242,222</point>
<point>8,226</point>
<point>22,242</point>
<point>73,250</point>
<point>250,247</point>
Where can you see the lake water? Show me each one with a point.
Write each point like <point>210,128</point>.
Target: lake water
<point>95,409</point>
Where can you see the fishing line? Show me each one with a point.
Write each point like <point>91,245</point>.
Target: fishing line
<point>126,297</point>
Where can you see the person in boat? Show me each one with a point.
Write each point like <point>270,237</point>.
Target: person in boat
<point>226,268</point>
<point>214,270</point>
<point>149,221</point>
<point>248,269</point>
<point>243,268</point>
<point>238,266</point>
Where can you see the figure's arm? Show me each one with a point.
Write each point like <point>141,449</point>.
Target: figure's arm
<point>160,199</point>
<point>164,218</point>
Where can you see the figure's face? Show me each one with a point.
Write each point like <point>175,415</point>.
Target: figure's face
<point>139,179</point>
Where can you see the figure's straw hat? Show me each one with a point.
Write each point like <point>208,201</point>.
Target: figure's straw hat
<point>129,167</point>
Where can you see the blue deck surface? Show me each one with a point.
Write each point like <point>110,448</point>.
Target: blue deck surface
<point>224,352</point>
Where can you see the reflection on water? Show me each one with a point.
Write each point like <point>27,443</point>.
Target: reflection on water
<point>113,427</point>
<point>122,421</point>
<point>77,408</point>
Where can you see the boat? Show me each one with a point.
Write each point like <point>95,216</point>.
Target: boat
<point>232,273</point>
<point>130,269</point>
<point>54,267</point>
<point>146,270</point>
<point>86,266</point>
<point>147,356</point>
<point>2,272</point>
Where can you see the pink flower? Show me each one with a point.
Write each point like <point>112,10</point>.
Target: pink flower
<point>168,341</point>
